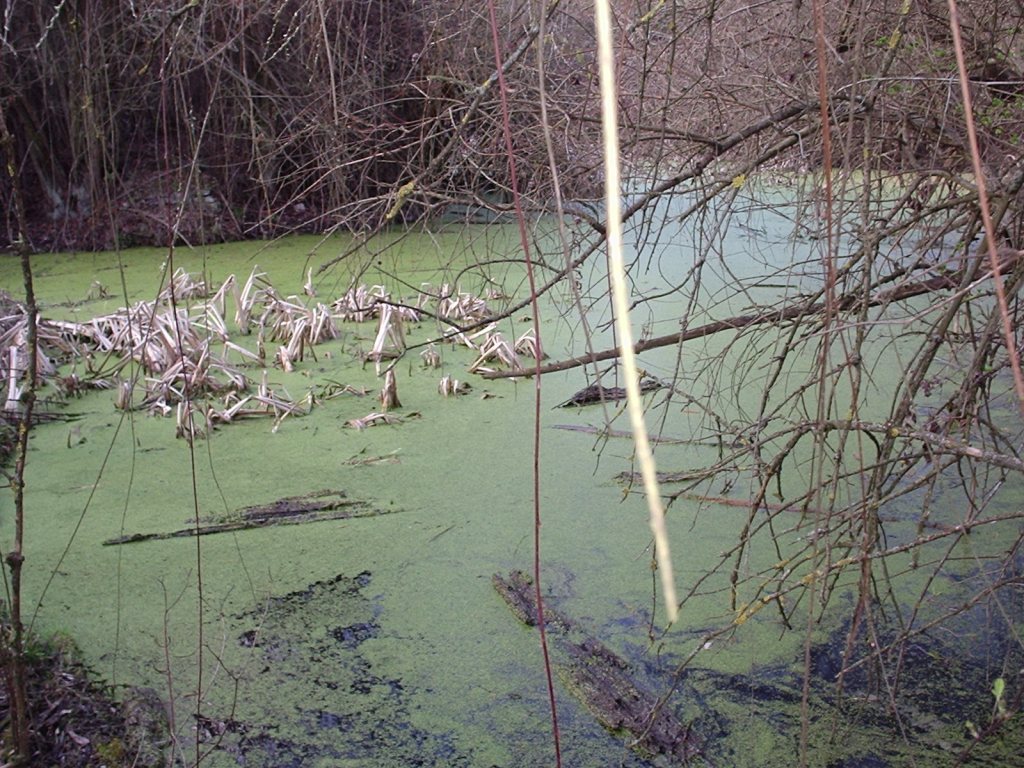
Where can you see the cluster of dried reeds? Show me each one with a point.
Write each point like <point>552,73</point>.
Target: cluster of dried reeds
<point>491,346</point>
<point>180,359</point>
<point>14,359</point>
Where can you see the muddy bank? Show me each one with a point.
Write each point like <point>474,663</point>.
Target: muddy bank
<point>79,722</point>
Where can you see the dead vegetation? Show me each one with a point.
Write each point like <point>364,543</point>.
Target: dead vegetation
<point>78,723</point>
<point>313,507</point>
<point>177,356</point>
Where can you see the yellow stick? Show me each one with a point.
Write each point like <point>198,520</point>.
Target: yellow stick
<point>620,304</point>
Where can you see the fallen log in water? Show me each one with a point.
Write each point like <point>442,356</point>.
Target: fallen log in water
<point>600,679</point>
<point>595,393</point>
<point>851,302</point>
<point>291,510</point>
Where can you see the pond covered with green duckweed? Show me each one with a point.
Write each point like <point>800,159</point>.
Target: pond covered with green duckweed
<point>379,640</point>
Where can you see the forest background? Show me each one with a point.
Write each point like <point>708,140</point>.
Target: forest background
<point>253,119</point>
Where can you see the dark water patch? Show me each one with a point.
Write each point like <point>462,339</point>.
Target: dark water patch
<point>906,702</point>
<point>868,760</point>
<point>249,638</point>
<point>354,634</point>
<point>758,686</point>
<point>940,678</point>
<point>924,686</point>
<point>316,698</point>
<point>764,692</point>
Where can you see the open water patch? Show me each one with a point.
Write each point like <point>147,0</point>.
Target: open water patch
<point>310,696</point>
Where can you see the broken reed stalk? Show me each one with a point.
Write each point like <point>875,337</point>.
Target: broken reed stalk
<point>506,129</point>
<point>616,266</point>
<point>14,655</point>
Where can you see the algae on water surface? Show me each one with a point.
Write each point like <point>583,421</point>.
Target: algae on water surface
<point>436,647</point>
<point>378,641</point>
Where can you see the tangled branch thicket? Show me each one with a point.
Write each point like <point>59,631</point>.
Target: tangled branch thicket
<point>879,479</point>
<point>133,122</point>
<point>255,118</point>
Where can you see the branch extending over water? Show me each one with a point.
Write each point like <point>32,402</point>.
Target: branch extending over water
<point>741,322</point>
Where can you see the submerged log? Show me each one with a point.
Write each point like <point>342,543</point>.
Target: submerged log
<point>596,393</point>
<point>291,510</point>
<point>308,503</point>
<point>517,592</point>
<point>601,679</point>
<point>588,429</point>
